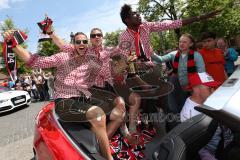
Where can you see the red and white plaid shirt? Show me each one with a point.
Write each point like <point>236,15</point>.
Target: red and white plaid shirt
<point>145,29</point>
<point>104,54</point>
<point>74,74</point>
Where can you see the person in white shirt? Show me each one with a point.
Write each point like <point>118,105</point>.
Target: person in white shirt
<point>202,86</point>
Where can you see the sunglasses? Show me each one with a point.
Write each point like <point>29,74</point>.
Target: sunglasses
<point>81,42</point>
<point>96,35</point>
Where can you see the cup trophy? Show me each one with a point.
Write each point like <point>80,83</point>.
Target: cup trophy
<point>44,26</point>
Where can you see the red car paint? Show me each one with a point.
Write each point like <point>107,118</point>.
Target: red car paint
<point>50,143</point>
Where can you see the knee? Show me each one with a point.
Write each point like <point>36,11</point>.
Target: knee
<point>96,116</point>
<point>117,114</point>
<point>119,103</point>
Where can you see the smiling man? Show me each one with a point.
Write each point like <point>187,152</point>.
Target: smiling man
<point>75,74</point>
<point>137,33</point>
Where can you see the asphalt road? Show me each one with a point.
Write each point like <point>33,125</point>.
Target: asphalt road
<point>16,132</point>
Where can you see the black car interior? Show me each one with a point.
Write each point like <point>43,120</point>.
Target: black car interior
<point>184,141</point>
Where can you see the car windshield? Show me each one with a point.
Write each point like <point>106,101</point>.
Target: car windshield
<point>4,89</point>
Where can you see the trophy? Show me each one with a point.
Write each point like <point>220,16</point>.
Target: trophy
<point>44,26</point>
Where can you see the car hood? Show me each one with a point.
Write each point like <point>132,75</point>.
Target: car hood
<point>223,104</point>
<point>11,94</point>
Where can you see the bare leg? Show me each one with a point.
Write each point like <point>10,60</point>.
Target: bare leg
<point>117,116</point>
<point>97,118</point>
<point>134,100</point>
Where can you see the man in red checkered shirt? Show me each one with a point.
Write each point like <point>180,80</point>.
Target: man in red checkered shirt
<point>104,80</point>
<point>76,73</point>
<point>136,38</point>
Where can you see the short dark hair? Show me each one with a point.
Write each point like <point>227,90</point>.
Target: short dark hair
<point>125,12</point>
<point>78,33</point>
<point>94,29</point>
<point>206,35</point>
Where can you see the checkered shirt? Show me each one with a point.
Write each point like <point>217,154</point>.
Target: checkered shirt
<point>145,29</point>
<point>104,54</point>
<point>74,74</point>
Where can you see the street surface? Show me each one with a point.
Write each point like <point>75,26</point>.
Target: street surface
<point>16,132</point>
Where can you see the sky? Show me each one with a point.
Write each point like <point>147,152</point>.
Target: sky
<point>67,15</point>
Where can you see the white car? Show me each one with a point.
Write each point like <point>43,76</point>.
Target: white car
<point>10,99</point>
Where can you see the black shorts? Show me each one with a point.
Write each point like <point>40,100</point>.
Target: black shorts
<point>107,87</point>
<point>74,109</point>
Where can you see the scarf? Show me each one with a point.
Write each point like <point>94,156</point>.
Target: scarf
<point>191,68</point>
<point>8,54</point>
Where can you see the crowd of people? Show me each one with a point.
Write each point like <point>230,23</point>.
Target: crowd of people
<point>84,71</point>
<point>38,84</point>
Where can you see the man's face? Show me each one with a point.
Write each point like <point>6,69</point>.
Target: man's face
<point>96,38</point>
<point>209,43</point>
<point>119,66</point>
<point>205,91</point>
<point>81,44</point>
<point>134,19</point>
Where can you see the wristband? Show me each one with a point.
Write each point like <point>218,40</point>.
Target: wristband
<point>49,33</point>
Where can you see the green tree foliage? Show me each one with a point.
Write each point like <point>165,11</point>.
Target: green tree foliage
<point>47,48</point>
<point>111,39</point>
<point>225,25</point>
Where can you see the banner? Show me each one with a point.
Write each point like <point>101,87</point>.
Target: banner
<point>10,60</point>
<point>8,54</point>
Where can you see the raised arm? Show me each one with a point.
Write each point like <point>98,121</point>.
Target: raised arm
<point>174,24</point>
<point>165,58</point>
<point>55,38</point>
<point>20,51</point>
<point>35,61</point>
<point>200,18</point>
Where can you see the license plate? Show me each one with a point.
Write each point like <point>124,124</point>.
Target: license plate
<point>20,100</point>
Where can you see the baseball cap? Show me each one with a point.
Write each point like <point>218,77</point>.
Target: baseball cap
<point>203,79</point>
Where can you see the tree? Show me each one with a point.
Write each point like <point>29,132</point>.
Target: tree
<point>225,25</point>
<point>111,39</point>
<point>47,48</point>
<point>154,10</point>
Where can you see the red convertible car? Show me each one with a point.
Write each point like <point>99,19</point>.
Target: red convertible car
<point>58,140</point>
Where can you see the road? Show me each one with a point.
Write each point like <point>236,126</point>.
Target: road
<point>17,132</point>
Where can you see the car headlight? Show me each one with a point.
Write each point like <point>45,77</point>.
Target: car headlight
<point>3,100</point>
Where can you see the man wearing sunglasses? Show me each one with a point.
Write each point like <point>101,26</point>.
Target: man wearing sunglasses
<point>75,73</point>
<point>104,80</point>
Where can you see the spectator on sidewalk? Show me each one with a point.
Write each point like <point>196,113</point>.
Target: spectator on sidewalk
<point>34,87</point>
<point>50,83</point>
